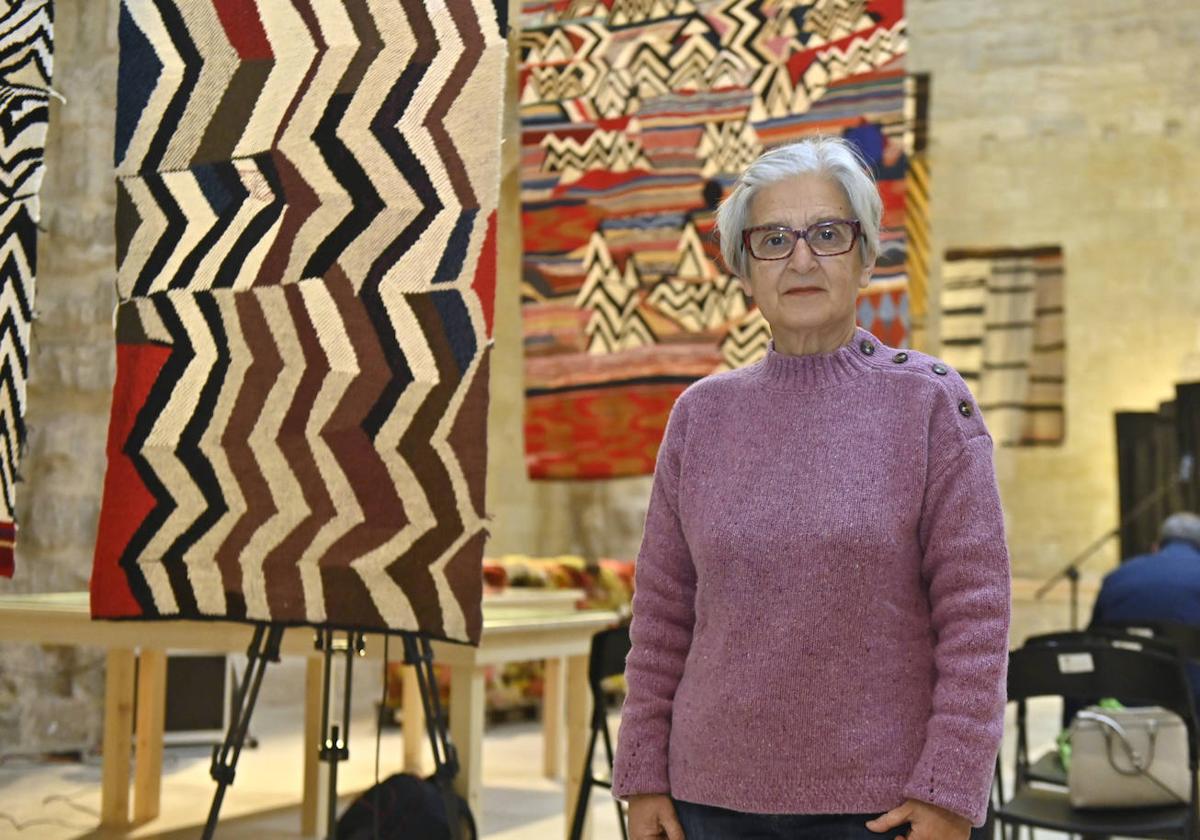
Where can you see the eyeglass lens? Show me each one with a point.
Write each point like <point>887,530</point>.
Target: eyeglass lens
<point>825,239</point>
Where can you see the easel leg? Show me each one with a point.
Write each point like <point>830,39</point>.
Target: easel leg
<point>151,709</point>
<point>552,718</point>
<point>264,648</point>
<point>419,653</point>
<point>579,716</point>
<point>312,740</point>
<point>334,746</point>
<point>118,735</point>
<point>466,732</point>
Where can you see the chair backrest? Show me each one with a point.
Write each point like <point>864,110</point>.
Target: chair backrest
<point>1089,667</point>
<point>607,656</point>
<point>1185,637</point>
<point>1108,634</point>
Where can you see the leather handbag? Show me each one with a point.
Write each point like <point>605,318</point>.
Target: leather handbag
<point>1128,758</point>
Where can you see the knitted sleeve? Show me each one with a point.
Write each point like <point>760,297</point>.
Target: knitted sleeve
<point>661,632</point>
<point>965,566</point>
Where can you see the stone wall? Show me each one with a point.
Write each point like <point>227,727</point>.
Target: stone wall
<point>1074,123</point>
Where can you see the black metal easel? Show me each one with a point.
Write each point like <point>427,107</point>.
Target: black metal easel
<point>264,648</point>
<point>335,739</point>
<point>418,652</point>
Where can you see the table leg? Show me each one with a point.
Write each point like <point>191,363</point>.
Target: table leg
<point>579,713</point>
<point>151,709</point>
<point>412,722</point>
<point>312,738</point>
<point>118,735</point>
<point>552,717</point>
<point>466,731</point>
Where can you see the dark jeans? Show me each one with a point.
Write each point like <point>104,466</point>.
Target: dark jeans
<point>705,822</point>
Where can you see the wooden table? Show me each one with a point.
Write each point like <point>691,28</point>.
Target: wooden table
<point>516,628</point>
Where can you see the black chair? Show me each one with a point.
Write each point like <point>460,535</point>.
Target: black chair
<point>1099,667</point>
<point>1170,639</point>
<point>606,659</point>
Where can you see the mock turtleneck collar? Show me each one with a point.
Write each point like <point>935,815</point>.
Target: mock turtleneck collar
<point>820,370</point>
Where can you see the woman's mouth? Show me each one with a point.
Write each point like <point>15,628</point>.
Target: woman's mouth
<point>803,290</point>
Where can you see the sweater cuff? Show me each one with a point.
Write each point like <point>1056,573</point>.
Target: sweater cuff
<point>954,775</point>
<point>640,770</point>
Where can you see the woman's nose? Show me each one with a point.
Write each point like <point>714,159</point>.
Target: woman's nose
<point>802,259</point>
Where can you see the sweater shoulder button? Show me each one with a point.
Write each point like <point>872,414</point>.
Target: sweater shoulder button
<point>867,348</point>
<point>964,408</point>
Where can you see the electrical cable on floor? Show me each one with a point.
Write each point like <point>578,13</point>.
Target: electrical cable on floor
<point>22,826</point>
<point>66,799</point>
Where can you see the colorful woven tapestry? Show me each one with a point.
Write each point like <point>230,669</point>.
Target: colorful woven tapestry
<point>1002,329</point>
<point>637,117</point>
<point>916,206</point>
<point>26,64</point>
<point>306,273</point>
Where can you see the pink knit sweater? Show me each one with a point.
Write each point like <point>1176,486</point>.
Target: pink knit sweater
<point>820,622</point>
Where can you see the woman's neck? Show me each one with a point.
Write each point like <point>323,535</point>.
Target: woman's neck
<point>813,342</point>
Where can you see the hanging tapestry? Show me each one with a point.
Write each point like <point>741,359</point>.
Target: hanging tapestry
<point>916,206</point>
<point>26,65</point>
<point>306,197</point>
<point>1002,329</point>
<point>637,117</point>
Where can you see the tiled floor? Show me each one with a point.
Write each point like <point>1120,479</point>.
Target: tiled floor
<point>56,801</point>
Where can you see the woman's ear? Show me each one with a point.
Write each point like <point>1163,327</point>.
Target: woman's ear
<point>864,279</point>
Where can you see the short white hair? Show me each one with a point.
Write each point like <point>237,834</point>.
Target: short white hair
<point>1184,525</point>
<point>831,157</point>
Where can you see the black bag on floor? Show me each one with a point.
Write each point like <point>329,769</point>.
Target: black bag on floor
<point>409,808</point>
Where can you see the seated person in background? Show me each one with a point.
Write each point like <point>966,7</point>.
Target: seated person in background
<point>1161,586</point>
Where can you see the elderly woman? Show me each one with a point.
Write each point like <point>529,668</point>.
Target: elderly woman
<point>820,625</point>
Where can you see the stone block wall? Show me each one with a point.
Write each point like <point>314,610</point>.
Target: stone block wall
<point>1074,124</point>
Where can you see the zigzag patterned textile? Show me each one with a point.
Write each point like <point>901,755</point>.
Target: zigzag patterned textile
<point>306,220</point>
<point>637,117</point>
<point>26,65</point>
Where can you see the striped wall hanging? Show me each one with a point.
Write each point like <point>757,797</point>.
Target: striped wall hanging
<point>1002,328</point>
<point>306,220</point>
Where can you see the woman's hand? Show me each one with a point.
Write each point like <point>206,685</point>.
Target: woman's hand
<point>929,822</point>
<point>652,817</point>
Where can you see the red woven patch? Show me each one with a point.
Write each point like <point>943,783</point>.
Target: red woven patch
<point>600,433</point>
<point>8,536</point>
<point>126,499</point>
